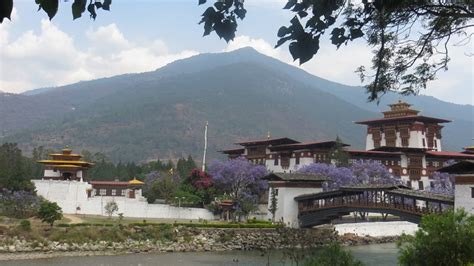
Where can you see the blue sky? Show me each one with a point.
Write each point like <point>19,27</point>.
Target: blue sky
<point>139,36</point>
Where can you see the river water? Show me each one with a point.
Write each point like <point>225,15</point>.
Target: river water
<point>371,255</point>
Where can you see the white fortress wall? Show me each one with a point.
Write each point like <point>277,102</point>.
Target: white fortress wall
<point>71,196</point>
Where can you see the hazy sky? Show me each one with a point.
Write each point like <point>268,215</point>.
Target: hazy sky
<point>138,36</point>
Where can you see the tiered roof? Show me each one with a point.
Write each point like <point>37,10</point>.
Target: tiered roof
<point>66,160</point>
<point>401,111</point>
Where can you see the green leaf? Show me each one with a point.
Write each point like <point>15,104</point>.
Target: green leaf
<point>282,31</point>
<point>49,6</point>
<point>91,9</point>
<point>78,7</point>
<point>106,5</point>
<point>241,13</point>
<point>6,7</point>
<point>356,33</point>
<point>290,4</point>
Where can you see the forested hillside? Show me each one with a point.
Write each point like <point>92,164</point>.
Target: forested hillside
<point>161,114</point>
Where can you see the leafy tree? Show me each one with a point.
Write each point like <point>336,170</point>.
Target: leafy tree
<point>165,188</point>
<point>442,239</point>
<point>110,208</point>
<point>185,166</point>
<point>410,38</point>
<point>49,212</point>
<point>15,170</point>
<point>339,155</point>
<point>200,184</point>
<point>241,180</point>
<point>333,254</point>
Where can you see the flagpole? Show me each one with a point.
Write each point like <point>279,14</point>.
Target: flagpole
<point>205,148</point>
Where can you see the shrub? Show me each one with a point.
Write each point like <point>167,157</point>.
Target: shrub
<point>49,212</point>
<point>25,225</point>
<point>442,239</point>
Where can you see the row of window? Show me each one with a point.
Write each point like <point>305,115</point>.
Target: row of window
<point>384,162</point>
<point>103,192</point>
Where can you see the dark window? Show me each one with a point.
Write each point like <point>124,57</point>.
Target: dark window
<point>424,142</point>
<point>276,161</point>
<point>405,142</point>
<point>431,184</point>
<point>297,159</point>
<point>276,191</point>
<point>420,185</point>
<point>472,192</point>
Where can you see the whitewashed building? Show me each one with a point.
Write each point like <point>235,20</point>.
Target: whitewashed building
<point>407,143</point>
<point>464,184</point>
<point>285,187</point>
<point>64,183</point>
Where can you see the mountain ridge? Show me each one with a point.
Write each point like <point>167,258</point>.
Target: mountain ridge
<point>161,114</point>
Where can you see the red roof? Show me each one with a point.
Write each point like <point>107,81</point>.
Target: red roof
<point>403,118</point>
<point>233,151</point>
<point>450,154</point>
<point>109,183</point>
<point>307,145</point>
<point>374,153</point>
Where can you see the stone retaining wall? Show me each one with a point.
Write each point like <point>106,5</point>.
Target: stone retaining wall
<point>195,239</point>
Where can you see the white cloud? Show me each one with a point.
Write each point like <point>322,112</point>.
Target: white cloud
<point>455,85</point>
<point>260,45</point>
<point>51,57</point>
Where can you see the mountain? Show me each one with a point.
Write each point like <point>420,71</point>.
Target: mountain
<point>161,114</point>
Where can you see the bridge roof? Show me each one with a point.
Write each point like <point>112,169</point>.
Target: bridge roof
<point>363,187</point>
<point>320,195</point>
<point>297,177</point>
<point>423,195</point>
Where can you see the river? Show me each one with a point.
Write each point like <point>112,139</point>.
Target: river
<point>371,255</point>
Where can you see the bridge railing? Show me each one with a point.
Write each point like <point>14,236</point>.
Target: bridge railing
<point>367,203</point>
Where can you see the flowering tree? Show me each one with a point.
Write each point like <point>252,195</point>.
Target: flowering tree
<point>340,176</point>
<point>443,183</point>
<point>372,172</point>
<point>241,180</point>
<point>19,204</point>
<point>360,172</point>
<point>200,180</point>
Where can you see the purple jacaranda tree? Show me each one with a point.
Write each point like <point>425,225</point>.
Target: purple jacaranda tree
<point>150,179</point>
<point>360,172</point>
<point>372,172</point>
<point>340,176</point>
<point>241,180</point>
<point>442,183</point>
<point>19,204</point>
